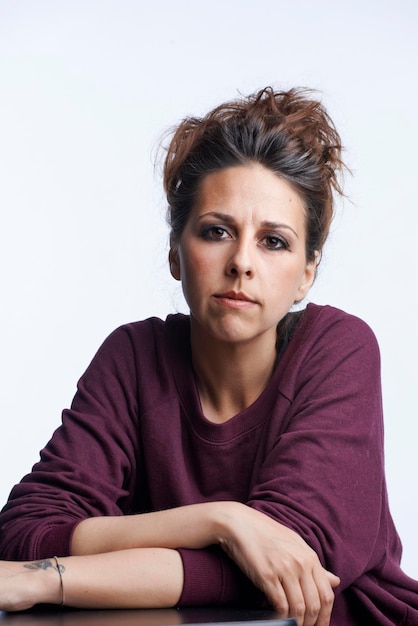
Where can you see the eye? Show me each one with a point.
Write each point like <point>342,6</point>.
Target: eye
<point>214,233</point>
<point>275,242</point>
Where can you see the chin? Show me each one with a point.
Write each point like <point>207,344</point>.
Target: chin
<point>233,333</point>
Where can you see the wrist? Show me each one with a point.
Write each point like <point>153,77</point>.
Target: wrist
<point>226,517</point>
<point>44,586</point>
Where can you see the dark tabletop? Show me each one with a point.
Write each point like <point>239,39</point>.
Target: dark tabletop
<point>58,616</point>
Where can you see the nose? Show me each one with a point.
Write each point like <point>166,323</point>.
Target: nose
<point>241,262</point>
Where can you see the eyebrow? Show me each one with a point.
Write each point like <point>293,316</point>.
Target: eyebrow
<point>224,217</point>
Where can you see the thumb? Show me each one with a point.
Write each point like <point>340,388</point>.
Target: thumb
<point>333,579</point>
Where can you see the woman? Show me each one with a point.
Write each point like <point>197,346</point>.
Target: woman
<point>234,455</point>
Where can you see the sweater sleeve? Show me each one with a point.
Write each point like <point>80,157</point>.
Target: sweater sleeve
<point>323,474</point>
<point>89,466</point>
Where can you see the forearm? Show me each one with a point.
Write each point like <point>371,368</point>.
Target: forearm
<point>139,578</point>
<point>195,526</point>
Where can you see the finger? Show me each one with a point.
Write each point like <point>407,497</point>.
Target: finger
<point>326,596</point>
<point>276,596</point>
<point>304,600</point>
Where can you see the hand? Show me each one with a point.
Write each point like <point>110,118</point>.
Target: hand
<point>280,563</point>
<point>23,584</point>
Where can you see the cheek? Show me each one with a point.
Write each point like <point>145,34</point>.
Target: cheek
<point>198,260</point>
<point>194,268</point>
<point>286,278</point>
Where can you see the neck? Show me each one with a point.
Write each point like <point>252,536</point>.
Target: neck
<point>230,377</point>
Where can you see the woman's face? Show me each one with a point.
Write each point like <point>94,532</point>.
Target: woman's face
<point>241,257</point>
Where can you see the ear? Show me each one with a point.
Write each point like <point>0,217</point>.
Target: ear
<point>307,278</point>
<point>173,259</point>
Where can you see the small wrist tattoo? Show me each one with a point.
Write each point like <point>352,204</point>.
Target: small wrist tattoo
<point>45,564</point>
<point>42,564</point>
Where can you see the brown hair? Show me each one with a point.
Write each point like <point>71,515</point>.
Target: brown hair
<point>288,132</point>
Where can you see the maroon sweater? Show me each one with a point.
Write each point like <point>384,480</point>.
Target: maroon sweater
<point>308,452</point>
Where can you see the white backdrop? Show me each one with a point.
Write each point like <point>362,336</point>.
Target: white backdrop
<point>86,89</point>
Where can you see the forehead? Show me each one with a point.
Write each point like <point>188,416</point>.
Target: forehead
<point>250,192</point>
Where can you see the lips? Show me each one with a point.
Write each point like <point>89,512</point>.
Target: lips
<point>234,300</point>
<point>234,295</point>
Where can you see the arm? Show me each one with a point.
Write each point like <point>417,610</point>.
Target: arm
<point>144,578</point>
<point>192,527</point>
<point>323,476</point>
<point>90,466</point>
